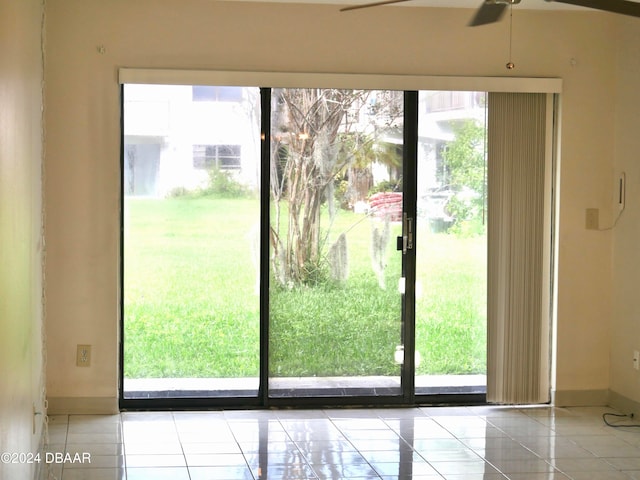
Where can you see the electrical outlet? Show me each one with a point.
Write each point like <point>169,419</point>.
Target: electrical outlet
<point>592,219</point>
<point>83,356</point>
<point>636,360</point>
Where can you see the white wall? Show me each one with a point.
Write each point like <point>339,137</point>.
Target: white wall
<point>89,39</point>
<point>21,364</point>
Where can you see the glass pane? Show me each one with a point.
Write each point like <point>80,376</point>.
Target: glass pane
<point>451,250</point>
<point>191,241</point>
<point>336,206</point>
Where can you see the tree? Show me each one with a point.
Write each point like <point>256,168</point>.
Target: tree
<point>356,179</point>
<point>308,152</point>
<point>464,160</point>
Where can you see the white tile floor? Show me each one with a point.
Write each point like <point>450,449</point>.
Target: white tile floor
<point>465,443</point>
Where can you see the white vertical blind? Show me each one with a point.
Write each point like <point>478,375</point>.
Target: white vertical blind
<point>518,256</point>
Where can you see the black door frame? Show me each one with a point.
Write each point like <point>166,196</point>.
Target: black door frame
<point>407,397</point>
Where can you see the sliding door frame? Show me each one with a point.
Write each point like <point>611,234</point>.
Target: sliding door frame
<point>410,189</point>
<point>406,308</point>
<point>265,241</point>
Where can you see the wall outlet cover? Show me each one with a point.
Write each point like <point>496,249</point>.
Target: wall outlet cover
<point>592,219</point>
<point>83,356</point>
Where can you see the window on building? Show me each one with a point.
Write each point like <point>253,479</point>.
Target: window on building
<point>206,93</point>
<point>224,157</point>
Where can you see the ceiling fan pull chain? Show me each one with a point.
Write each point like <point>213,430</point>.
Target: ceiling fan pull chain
<point>510,65</point>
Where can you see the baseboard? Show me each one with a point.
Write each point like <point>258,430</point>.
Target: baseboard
<point>624,404</point>
<point>580,398</point>
<point>559,398</point>
<point>82,405</point>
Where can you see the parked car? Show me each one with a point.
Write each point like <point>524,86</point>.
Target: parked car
<point>432,206</point>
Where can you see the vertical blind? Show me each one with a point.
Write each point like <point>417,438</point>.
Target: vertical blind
<point>518,254</point>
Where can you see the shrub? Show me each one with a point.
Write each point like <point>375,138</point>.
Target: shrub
<point>387,186</point>
<point>178,192</point>
<point>223,184</point>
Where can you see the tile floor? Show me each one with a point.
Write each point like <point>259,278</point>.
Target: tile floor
<point>465,443</point>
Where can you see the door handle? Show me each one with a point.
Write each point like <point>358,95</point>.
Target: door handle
<point>408,229</point>
<point>405,242</point>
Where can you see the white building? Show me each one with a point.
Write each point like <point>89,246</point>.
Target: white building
<point>174,133</point>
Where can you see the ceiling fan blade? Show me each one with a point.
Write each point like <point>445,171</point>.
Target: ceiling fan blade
<point>488,13</point>
<point>623,7</point>
<point>374,4</point>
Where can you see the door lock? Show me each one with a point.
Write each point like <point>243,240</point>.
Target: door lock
<point>409,231</point>
<point>405,242</point>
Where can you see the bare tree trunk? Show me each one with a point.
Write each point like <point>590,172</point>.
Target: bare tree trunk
<point>309,124</point>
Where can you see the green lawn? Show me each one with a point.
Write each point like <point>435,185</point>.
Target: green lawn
<point>451,313</point>
<point>191,310</point>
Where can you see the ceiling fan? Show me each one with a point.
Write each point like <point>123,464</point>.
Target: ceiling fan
<point>492,10</point>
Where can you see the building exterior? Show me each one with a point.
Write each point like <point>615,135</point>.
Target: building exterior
<point>174,134</point>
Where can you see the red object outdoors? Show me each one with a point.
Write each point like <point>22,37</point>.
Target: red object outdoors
<point>387,205</point>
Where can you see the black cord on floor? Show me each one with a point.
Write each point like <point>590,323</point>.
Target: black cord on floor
<point>604,417</point>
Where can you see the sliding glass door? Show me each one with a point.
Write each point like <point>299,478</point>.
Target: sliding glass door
<point>282,245</point>
<point>336,204</point>
<point>191,226</point>
<point>451,247</point>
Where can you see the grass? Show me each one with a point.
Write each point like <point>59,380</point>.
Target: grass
<point>189,305</point>
<point>451,313</point>
<point>191,310</point>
